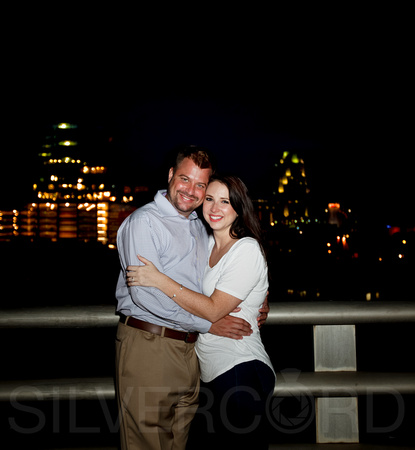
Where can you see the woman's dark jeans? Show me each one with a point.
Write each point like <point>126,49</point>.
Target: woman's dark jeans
<point>232,409</point>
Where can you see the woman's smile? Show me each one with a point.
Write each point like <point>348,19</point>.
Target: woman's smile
<point>217,208</point>
<point>215,218</point>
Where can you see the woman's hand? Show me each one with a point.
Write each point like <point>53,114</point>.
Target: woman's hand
<point>147,275</point>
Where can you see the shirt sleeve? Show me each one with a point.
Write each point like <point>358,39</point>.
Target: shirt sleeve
<point>135,238</point>
<point>243,270</point>
<point>138,237</point>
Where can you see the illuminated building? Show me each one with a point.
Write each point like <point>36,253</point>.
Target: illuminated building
<point>288,203</point>
<point>291,193</point>
<point>335,215</point>
<point>72,198</point>
<point>65,175</point>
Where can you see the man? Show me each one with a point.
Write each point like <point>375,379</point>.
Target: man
<point>157,368</point>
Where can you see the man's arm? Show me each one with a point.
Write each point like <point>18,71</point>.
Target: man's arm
<point>155,306</point>
<point>263,312</point>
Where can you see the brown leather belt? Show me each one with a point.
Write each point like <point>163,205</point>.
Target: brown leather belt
<point>156,329</point>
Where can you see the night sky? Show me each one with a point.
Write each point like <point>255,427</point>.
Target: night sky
<point>339,93</point>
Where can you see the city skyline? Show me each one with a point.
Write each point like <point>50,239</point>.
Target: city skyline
<point>340,90</point>
<point>375,178</point>
<point>341,95</point>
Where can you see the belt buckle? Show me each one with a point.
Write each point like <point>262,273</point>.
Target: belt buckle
<point>187,336</point>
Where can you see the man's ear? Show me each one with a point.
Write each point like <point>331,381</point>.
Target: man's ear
<point>170,174</point>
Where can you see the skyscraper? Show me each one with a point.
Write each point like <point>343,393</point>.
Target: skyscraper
<point>72,197</point>
<point>291,189</point>
<point>288,200</point>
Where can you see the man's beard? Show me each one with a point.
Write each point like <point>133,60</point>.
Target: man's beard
<point>178,205</point>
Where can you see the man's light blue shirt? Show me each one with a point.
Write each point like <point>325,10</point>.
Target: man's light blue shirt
<point>178,247</point>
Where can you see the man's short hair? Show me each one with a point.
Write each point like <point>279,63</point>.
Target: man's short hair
<point>201,156</point>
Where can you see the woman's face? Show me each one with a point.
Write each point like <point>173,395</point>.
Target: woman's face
<point>217,209</point>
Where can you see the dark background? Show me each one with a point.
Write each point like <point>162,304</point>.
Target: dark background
<point>248,83</point>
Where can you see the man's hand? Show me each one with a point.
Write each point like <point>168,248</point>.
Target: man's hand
<point>231,327</point>
<point>263,312</point>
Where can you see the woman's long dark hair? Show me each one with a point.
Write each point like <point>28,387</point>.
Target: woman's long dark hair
<point>247,223</point>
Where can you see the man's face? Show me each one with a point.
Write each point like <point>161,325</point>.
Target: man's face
<point>187,187</point>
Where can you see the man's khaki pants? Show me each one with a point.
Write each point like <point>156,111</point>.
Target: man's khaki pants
<point>157,381</point>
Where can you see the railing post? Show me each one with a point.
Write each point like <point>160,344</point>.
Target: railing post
<point>336,417</point>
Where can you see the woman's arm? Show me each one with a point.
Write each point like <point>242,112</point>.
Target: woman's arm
<point>212,308</point>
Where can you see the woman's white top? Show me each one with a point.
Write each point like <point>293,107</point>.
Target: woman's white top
<point>243,273</point>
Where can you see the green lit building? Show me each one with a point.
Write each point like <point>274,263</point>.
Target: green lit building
<point>73,196</point>
<point>288,201</point>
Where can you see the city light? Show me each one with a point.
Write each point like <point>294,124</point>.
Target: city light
<point>65,126</point>
<point>75,200</point>
<point>69,180</point>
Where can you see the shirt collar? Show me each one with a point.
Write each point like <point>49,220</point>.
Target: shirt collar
<point>167,209</point>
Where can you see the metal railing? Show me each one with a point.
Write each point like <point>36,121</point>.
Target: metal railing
<point>327,383</point>
<point>312,383</point>
<point>284,313</point>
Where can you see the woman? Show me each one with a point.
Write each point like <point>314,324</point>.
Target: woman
<point>237,375</point>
